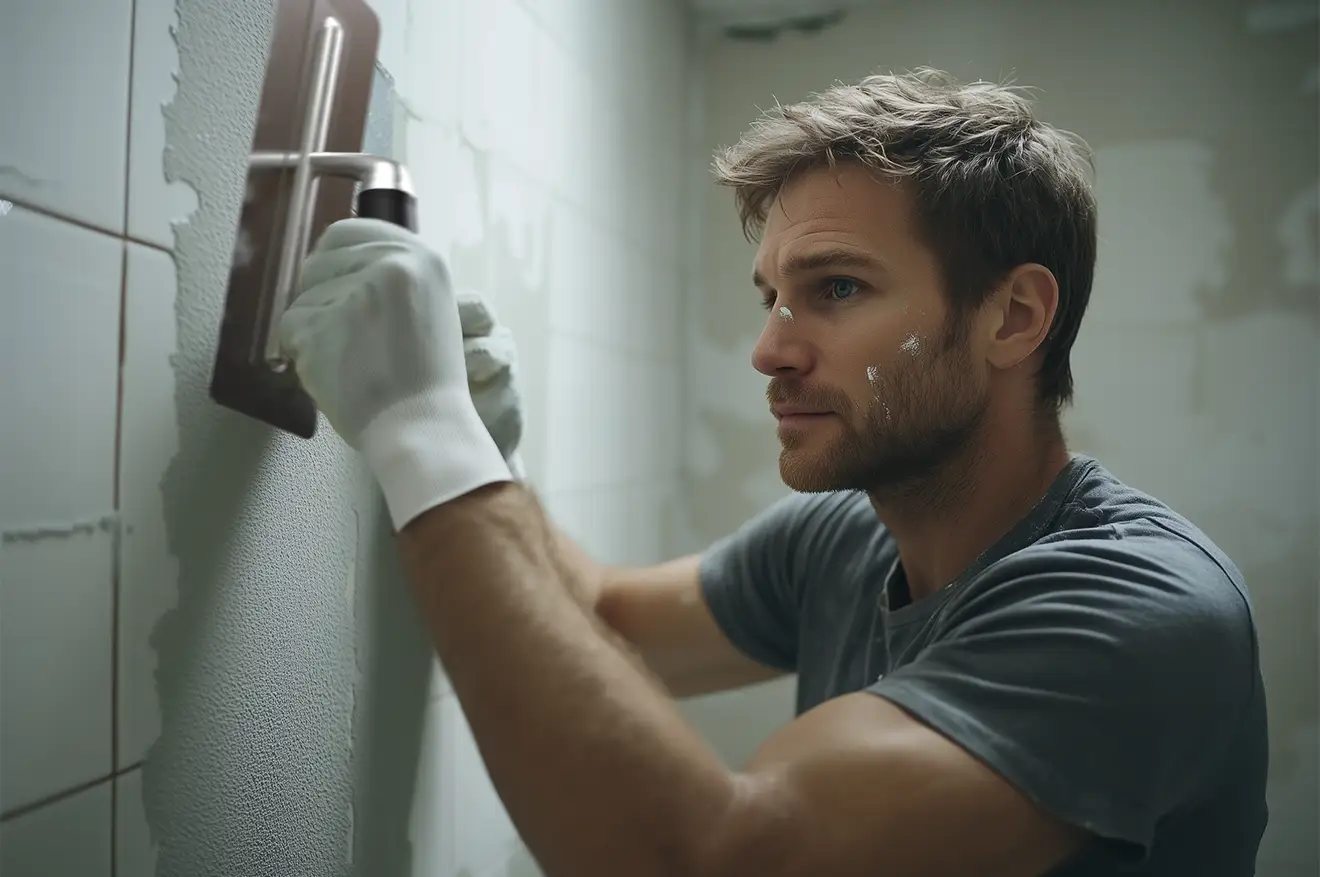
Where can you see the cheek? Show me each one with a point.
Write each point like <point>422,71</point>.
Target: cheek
<point>913,344</point>
<point>897,358</point>
<point>874,355</point>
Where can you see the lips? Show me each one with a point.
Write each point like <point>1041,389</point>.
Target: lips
<point>782,411</point>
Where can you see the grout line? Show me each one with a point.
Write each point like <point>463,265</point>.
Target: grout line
<point>119,384</point>
<point>151,245</point>
<point>119,446</point>
<point>63,794</point>
<point>84,224</point>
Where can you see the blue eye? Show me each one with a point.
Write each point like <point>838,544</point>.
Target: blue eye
<point>841,288</point>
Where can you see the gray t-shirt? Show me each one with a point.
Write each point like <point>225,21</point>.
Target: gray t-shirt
<point>1101,656</point>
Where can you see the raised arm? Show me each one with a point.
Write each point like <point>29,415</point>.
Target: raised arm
<point>595,764</point>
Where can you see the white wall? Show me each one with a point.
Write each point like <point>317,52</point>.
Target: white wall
<point>209,663</point>
<point>1197,361</point>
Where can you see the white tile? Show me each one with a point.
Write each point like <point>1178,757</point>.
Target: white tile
<point>578,26</point>
<point>432,81</point>
<point>153,203</point>
<point>451,209</point>
<point>574,141</point>
<point>148,571</point>
<point>69,838</point>
<point>615,416</point>
<point>518,237</point>
<point>135,854</point>
<point>595,287</point>
<point>56,617</point>
<point>458,825</point>
<point>607,288</point>
<point>585,446</point>
<point>63,142</point>
<point>655,130</point>
<point>59,348</point>
<point>518,240</point>
<point>611,194</point>
<point>498,62</point>
<point>663,301</point>
<point>549,158</point>
<point>482,834</point>
<point>619,525</point>
<point>392,50</point>
<point>430,825</point>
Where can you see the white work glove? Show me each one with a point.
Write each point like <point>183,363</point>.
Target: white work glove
<point>492,369</point>
<point>377,342</point>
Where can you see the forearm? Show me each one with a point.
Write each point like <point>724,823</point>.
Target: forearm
<point>593,761</point>
<point>580,573</point>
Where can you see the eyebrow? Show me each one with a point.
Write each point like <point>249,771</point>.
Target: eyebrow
<point>835,258</point>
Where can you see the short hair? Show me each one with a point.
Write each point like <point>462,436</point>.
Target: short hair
<point>994,187</point>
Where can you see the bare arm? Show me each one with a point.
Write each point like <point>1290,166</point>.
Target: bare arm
<point>856,787</point>
<point>661,614</point>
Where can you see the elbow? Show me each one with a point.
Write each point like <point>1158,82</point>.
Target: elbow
<point>756,834</point>
<point>603,599</point>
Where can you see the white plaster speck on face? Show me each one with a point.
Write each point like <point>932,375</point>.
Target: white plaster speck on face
<point>911,344</point>
<point>872,374</point>
<point>785,314</point>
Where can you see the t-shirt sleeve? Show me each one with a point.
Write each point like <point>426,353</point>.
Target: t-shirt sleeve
<point>1104,679</point>
<point>750,582</point>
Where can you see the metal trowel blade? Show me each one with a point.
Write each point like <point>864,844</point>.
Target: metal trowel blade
<point>244,378</point>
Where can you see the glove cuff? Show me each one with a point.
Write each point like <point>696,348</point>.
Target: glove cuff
<point>429,449</point>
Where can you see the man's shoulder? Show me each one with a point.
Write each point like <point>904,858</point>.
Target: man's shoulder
<point>828,534</point>
<point>844,512</point>
<point>1107,523</point>
<point>1126,559</point>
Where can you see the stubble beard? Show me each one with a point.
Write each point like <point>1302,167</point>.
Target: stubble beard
<point>916,425</point>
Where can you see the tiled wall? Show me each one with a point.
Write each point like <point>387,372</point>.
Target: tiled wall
<point>1196,365</point>
<point>189,676</point>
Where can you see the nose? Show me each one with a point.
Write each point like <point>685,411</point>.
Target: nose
<point>781,349</point>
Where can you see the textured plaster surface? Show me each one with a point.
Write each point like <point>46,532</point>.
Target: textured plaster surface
<point>258,664</point>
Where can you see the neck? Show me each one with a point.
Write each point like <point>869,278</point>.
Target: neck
<point>944,523</point>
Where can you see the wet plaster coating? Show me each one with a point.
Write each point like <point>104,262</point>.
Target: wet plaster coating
<point>257,664</point>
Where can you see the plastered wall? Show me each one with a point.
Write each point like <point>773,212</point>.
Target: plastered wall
<point>1196,367</point>
<point>210,662</point>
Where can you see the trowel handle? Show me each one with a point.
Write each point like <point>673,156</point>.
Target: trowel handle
<point>391,205</point>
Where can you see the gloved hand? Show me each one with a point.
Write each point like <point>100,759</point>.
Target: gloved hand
<point>492,368</point>
<point>377,342</point>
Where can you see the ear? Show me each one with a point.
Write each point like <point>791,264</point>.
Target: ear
<point>1024,307</point>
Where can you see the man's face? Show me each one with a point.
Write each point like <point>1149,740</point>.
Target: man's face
<point>872,383</point>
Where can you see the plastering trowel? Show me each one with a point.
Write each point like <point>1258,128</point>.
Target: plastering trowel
<point>306,171</point>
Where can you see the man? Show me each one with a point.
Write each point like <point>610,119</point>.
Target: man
<point>1009,662</point>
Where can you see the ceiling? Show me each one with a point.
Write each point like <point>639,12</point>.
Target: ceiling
<point>735,12</point>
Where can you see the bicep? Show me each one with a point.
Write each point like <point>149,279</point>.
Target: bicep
<point>1076,704</point>
<point>859,787</point>
<point>662,612</point>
